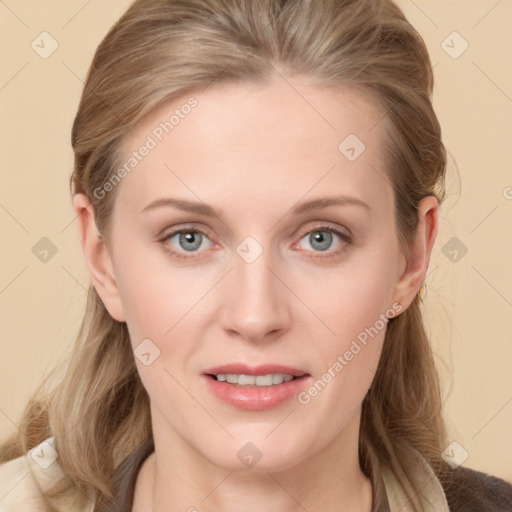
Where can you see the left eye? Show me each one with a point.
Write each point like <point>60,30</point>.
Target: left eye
<point>321,239</point>
<point>189,241</point>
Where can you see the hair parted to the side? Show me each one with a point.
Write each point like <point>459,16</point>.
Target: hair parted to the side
<point>98,412</point>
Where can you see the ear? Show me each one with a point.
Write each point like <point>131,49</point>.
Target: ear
<point>97,257</point>
<point>417,254</point>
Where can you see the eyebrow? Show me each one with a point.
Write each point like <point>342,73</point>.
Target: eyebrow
<point>208,211</point>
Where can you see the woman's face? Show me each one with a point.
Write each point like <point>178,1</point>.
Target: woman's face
<point>278,255</point>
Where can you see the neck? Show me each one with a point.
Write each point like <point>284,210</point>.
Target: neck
<point>178,478</point>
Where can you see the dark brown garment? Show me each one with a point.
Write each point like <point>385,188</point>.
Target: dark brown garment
<point>126,476</point>
<point>474,491</point>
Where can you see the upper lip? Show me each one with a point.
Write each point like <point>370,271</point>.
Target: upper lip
<point>262,369</point>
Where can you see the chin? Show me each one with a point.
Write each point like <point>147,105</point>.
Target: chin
<point>257,456</point>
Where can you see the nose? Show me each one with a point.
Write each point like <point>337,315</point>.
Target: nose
<point>256,304</point>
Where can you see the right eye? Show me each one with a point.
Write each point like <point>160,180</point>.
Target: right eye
<point>180,242</point>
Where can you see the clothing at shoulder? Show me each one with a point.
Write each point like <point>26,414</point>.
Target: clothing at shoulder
<point>474,491</point>
<point>19,489</point>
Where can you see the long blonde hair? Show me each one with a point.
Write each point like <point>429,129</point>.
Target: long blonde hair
<point>98,412</point>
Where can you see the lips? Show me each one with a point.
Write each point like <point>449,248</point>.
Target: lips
<point>253,397</point>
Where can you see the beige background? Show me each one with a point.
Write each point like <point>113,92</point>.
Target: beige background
<point>469,299</point>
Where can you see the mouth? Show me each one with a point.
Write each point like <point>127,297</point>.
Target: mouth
<point>255,388</point>
<point>240,379</point>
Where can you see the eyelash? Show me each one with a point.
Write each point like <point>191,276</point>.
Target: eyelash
<point>346,239</point>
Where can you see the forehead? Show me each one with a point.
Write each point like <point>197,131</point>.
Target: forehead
<point>278,140</point>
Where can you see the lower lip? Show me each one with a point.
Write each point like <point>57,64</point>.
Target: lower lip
<point>254,398</point>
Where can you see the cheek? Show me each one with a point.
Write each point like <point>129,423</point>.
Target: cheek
<point>355,304</point>
<point>351,299</point>
<point>348,359</point>
<point>156,295</point>
<point>360,307</point>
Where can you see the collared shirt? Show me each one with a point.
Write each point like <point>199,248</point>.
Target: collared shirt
<point>19,487</point>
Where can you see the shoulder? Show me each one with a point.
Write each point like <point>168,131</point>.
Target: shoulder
<point>469,490</point>
<point>18,486</point>
<point>23,480</point>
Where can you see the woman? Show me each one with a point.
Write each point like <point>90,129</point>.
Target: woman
<point>257,188</point>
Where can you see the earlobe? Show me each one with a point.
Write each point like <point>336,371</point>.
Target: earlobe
<point>97,257</point>
<point>418,253</point>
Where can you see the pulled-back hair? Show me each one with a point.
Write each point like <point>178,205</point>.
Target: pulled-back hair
<point>98,411</point>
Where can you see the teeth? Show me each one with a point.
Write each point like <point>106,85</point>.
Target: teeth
<point>254,380</point>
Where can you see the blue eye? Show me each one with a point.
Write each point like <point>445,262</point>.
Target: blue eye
<point>186,241</point>
<point>320,239</point>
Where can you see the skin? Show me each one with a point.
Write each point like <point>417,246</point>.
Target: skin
<point>252,153</point>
